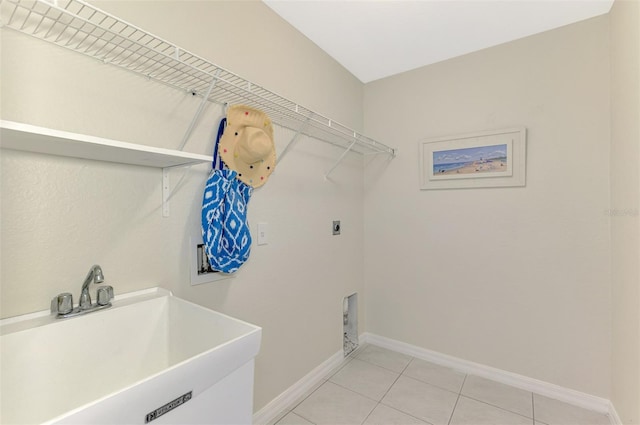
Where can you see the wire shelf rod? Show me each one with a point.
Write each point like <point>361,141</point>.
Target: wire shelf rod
<point>290,144</point>
<point>83,28</point>
<point>326,175</point>
<point>187,135</point>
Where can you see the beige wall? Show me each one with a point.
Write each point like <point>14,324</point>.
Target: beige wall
<point>515,278</point>
<point>625,202</point>
<point>61,215</point>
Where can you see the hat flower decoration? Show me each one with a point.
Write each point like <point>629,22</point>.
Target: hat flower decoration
<point>247,145</point>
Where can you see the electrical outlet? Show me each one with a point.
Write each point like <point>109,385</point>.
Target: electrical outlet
<point>336,227</point>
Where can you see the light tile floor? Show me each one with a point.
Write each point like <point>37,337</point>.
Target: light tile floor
<point>376,386</point>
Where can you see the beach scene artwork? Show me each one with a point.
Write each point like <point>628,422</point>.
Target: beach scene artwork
<point>492,158</point>
<point>488,159</point>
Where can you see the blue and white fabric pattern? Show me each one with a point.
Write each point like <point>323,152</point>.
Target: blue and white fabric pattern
<point>225,231</point>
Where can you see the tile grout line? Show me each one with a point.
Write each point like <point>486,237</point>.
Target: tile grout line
<point>388,389</point>
<point>353,391</point>
<point>496,406</point>
<point>405,413</point>
<point>386,368</point>
<point>369,414</point>
<point>532,417</point>
<point>377,365</point>
<point>396,380</point>
<point>408,363</point>
<point>432,385</point>
<point>533,409</point>
<point>324,381</point>
<point>353,355</point>
<point>457,399</point>
<point>297,414</point>
<point>291,412</point>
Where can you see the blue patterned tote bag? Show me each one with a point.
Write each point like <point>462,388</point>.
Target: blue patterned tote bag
<point>225,230</point>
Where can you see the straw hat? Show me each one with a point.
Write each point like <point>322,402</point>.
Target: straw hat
<point>247,145</point>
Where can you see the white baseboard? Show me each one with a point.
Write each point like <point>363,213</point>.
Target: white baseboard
<point>614,419</point>
<point>546,389</point>
<point>576,398</point>
<point>297,390</point>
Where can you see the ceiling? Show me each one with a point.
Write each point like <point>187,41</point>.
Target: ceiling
<point>374,39</point>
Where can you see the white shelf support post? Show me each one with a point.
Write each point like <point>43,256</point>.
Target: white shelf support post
<point>166,192</point>
<point>293,139</point>
<point>195,118</point>
<point>326,176</point>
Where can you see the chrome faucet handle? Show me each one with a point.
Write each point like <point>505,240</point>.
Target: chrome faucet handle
<point>62,303</point>
<point>85,300</point>
<point>105,295</point>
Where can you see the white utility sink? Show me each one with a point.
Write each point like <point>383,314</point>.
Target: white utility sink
<point>129,364</point>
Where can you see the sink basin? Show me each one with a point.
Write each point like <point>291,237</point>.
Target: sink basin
<point>129,364</point>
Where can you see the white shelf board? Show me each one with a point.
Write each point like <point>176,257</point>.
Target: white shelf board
<point>25,137</point>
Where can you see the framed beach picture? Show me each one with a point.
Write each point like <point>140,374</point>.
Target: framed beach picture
<point>484,159</point>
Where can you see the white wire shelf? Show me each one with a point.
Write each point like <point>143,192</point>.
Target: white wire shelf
<point>83,28</point>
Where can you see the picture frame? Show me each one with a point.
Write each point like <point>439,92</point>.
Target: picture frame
<point>495,158</point>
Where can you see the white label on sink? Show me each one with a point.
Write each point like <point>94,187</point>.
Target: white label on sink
<point>168,407</point>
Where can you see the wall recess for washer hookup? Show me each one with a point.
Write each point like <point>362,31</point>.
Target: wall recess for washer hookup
<point>336,227</point>
<point>201,271</point>
<point>350,323</point>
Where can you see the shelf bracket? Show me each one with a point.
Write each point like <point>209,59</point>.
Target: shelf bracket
<point>166,192</point>
<point>326,175</point>
<point>196,117</point>
<point>293,140</point>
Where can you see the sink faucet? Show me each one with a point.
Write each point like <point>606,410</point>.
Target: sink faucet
<point>62,304</point>
<point>95,274</point>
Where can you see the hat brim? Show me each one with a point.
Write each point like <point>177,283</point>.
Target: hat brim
<point>240,117</point>
<point>254,175</point>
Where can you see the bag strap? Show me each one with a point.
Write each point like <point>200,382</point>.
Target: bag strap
<point>217,163</point>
